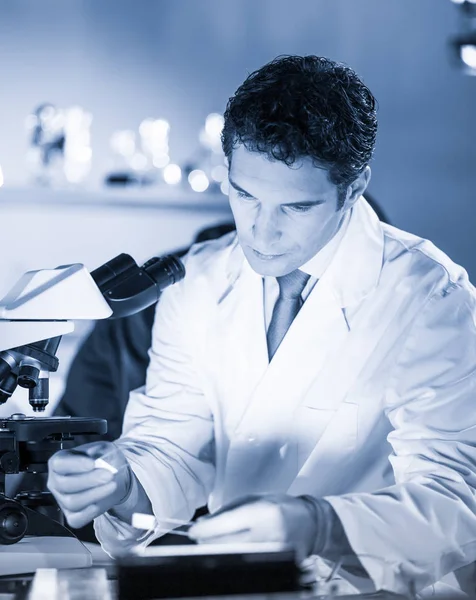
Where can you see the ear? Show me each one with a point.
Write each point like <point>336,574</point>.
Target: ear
<point>357,188</point>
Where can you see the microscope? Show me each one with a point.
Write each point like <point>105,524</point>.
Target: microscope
<point>34,315</point>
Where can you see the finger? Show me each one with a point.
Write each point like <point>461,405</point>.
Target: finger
<point>95,449</point>
<point>67,462</point>
<point>83,517</point>
<point>227,523</point>
<point>78,502</point>
<point>72,484</point>
<point>262,519</point>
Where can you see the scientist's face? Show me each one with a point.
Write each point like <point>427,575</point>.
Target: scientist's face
<point>284,215</point>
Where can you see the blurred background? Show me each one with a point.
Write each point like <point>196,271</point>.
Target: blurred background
<point>110,115</point>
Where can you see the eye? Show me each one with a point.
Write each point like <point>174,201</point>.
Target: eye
<point>243,195</point>
<point>300,208</point>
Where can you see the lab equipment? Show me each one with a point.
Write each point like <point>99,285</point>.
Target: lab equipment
<point>34,315</point>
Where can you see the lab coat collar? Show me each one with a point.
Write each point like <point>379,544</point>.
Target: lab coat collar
<point>355,268</point>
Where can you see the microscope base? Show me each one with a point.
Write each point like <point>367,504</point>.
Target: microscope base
<point>43,552</point>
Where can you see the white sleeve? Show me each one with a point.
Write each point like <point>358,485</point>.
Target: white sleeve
<point>168,434</point>
<point>413,533</point>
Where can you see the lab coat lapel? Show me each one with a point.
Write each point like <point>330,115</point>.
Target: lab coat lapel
<point>315,335</point>
<point>241,356</point>
<point>353,275</point>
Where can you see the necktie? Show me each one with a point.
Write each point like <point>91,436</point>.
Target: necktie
<point>286,308</point>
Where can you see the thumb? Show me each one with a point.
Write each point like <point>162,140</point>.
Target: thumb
<point>93,449</point>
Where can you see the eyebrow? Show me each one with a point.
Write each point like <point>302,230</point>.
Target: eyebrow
<point>300,203</point>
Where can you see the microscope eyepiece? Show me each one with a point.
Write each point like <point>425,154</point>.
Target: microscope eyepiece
<point>128,288</point>
<point>165,271</point>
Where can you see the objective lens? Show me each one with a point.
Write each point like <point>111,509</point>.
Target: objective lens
<point>28,376</point>
<point>38,396</point>
<point>7,387</point>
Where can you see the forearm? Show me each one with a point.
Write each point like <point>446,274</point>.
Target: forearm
<point>331,541</point>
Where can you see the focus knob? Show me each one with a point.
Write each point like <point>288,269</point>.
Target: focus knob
<point>13,521</point>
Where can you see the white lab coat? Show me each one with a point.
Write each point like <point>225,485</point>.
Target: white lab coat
<point>369,402</point>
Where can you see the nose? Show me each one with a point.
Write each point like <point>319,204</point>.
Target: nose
<point>266,230</point>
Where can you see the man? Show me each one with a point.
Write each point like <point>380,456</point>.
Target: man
<point>311,378</point>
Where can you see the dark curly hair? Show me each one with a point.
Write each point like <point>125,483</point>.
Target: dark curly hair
<point>305,106</point>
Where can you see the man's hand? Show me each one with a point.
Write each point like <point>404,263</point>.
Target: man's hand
<point>269,518</point>
<point>84,491</point>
